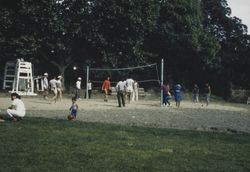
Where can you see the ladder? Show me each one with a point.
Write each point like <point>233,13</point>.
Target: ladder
<point>9,75</point>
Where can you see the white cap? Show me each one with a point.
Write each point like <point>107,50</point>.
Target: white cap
<point>45,74</point>
<point>59,77</point>
<point>79,78</point>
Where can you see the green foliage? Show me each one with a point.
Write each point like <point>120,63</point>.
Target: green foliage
<point>232,36</point>
<point>198,39</point>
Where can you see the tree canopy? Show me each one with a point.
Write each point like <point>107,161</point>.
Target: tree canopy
<point>198,39</point>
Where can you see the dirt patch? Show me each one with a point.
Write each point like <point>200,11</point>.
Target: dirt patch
<point>217,117</point>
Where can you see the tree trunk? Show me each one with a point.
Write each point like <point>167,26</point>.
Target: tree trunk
<point>61,67</point>
<point>62,73</point>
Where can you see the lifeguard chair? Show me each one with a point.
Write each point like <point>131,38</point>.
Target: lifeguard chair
<point>23,82</point>
<point>39,83</point>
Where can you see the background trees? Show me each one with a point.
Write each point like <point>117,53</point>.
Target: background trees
<point>198,39</point>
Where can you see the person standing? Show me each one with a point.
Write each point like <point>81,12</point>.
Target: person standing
<point>120,89</point>
<point>207,93</point>
<point>78,88</point>
<point>195,93</point>
<point>106,88</point>
<point>17,109</point>
<point>177,95</point>
<point>166,95</point>
<point>59,88</point>
<point>136,91</point>
<point>45,86</point>
<point>53,88</point>
<point>89,88</point>
<point>129,88</point>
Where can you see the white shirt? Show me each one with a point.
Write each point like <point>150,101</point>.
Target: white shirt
<point>45,83</point>
<point>129,84</point>
<point>89,86</point>
<point>19,105</point>
<point>78,85</point>
<point>53,83</point>
<point>121,86</point>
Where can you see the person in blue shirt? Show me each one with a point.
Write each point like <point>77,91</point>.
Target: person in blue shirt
<point>73,110</point>
<point>177,95</point>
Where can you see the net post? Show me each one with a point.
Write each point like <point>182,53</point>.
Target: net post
<point>87,80</point>
<point>162,79</point>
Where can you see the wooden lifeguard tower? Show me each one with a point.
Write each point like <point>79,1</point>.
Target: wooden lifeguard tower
<point>22,80</point>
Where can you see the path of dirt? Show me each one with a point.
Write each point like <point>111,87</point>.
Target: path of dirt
<point>223,117</point>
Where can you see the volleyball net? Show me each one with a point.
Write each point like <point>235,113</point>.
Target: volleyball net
<point>146,75</point>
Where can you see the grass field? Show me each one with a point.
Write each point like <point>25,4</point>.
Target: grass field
<point>42,144</point>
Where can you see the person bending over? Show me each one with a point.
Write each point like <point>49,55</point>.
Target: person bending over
<point>17,108</point>
<point>73,110</point>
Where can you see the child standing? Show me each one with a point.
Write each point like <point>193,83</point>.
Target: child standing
<point>73,110</point>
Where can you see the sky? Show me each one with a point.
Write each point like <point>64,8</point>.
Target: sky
<point>241,9</point>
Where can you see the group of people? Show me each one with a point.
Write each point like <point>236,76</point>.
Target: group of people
<point>167,95</point>
<point>125,88</point>
<point>196,91</point>
<point>128,88</point>
<point>54,85</point>
<point>78,89</point>
<point>177,90</point>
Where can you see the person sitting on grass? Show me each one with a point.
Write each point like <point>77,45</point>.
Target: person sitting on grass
<point>17,109</point>
<point>73,110</point>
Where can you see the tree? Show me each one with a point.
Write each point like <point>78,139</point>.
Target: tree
<point>179,37</point>
<point>119,28</point>
<point>232,36</point>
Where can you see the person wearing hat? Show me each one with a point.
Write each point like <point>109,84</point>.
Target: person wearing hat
<point>45,86</point>
<point>17,108</point>
<point>59,88</point>
<point>78,88</point>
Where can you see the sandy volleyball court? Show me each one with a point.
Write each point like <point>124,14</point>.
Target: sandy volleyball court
<point>195,116</point>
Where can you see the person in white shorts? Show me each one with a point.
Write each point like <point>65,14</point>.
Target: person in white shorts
<point>17,109</point>
<point>129,88</point>
<point>136,91</point>
<point>53,88</point>
<point>78,88</point>
<point>45,86</point>
<point>59,88</point>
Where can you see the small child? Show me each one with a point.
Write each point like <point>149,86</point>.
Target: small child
<point>73,110</point>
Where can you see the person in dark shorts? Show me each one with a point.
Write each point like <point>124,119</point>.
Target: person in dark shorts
<point>121,89</point>
<point>195,93</point>
<point>207,93</point>
<point>166,95</point>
